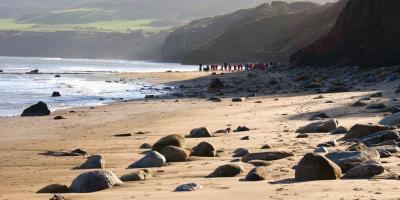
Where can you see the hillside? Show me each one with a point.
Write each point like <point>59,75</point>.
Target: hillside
<point>267,39</point>
<point>366,34</point>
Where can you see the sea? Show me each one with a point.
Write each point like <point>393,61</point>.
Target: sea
<point>82,82</point>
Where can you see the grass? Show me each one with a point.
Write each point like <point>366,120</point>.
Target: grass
<point>99,26</point>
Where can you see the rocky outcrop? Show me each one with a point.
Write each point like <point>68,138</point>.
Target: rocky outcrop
<point>39,109</point>
<point>365,34</point>
<point>316,167</point>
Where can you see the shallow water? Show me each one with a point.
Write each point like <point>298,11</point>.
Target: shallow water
<point>82,82</point>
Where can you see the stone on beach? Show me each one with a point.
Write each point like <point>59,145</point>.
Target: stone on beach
<point>319,127</point>
<point>257,174</point>
<point>170,140</point>
<point>380,137</point>
<point>339,130</point>
<point>140,175</point>
<point>228,170</point>
<point>267,156</point>
<point>58,197</point>
<point>391,120</point>
<point>151,159</point>
<point>241,129</point>
<point>365,170</point>
<point>93,162</point>
<point>349,159</point>
<point>201,132</point>
<point>145,146</point>
<point>39,109</point>
<point>240,152</point>
<point>204,149</point>
<point>54,188</point>
<point>188,187</point>
<point>238,99</point>
<point>316,167</point>
<point>362,130</point>
<point>56,94</point>
<point>94,181</point>
<point>175,154</point>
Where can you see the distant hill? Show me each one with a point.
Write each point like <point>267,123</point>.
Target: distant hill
<point>267,38</point>
<point>366,34</point>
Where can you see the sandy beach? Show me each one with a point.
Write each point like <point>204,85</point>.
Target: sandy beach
<point>272,117</point>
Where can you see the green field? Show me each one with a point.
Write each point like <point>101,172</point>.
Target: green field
<point>98,26</point>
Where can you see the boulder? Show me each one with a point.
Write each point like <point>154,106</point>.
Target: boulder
<point>238,99</point>
<point>54,189</point>
<point>379,137</point>
<point>241,129</point>
<point>39,109</point>
<point>56,94</point>
<point>391,120</point>
<point>349,159</point>
<point>365,170</point>
<point>152,159</point>
<point>376,94</point>
<point>358,103</point>
<point>266,146</point>
<point>302,135</point>
<point>389,148</point>
<point>383,153</point>
<point>376,106</point>
<point>339,130</point>
<point>257,174</point>
<point>228,170</point>
<point>216,84</point>
<point>94,162</point>
<point>240,152</point>
<point>357,147</point>
<point>362,130</point>
<point>175,154</point>
<point>204,149</point>
<point>188,187</point>
<point>267,156</point>
<point>140,175</point>
<point>94,181</point>
<point>200,133</point>
<point>170,140</point>
<point>316,167</point>
<point>245,138</point>
<point>319,127</point>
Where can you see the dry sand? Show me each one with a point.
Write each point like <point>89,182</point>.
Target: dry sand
<point>23,170</point>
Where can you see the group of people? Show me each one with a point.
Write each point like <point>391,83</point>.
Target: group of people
<point>237,67</point>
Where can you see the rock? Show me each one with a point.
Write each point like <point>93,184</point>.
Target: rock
<point>175,154</point>
<point>54,189</point>
<point>79,152</point>
<point>57,76</point>
<point>214,99</point>
<point>188,187</point>
<point>257,174</point>
<point>152,159</point>
<point>245,138</point>
<point>238,99</point>
<point>145,146</point>
<point>1,71</point>
<point>35,71</point>
<point>267,156</point>
<point>386,143</point>
<point>302,135</point>
<point>204,149</point>
<point>140,175</point>
<point>376,106</point>
<point>365,170</point>
<point>316,167</point>
<point>93,162</point>
<point>225,131</point>
<point>383,153</point>
<point>216,84</point>
<point>240,152</point>
<point>259,163</point>
<point>228,170</point>
<point>328,144</point>
<point>94,181</point>
<point>266,146</point>
<point>357,147</point>
<point>319,127</point>
<point>56,94</point>
<point>58,197</point>
<point>150,96</point>
<point>339,130</point>
<point>349,159</point>
<point>76,152</point>
<point>358,104</point>
<point>362,130</point>
<point>170,140</point>
<point>389,148</point>
<point>379,137</point>
<point>319,116</point>
<point>391,120</point>
<point>200,133</point>
<point>59,118</point>
<point>241,129</point>
<point>39,109</point>
<point>375,95</point>
<point>321,150</point>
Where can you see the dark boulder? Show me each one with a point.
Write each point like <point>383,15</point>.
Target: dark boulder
<point>140,175</point>
<point>39,109</point>
<point>319,127</point>
<point>362,130</point>
<point>228,170</point>
<point>349,159</point>
<point>94,181</point>
<point>94,162</point>
<point>316,167</point>
<point>204,149</point>
<point>175,154</point>
<point>267,156</point>
<point>257,174</point>
<point>56,94</point>
<point>170,140</point>
<point>54,189</point>
<point>201,132</point>
<point>380,137</point>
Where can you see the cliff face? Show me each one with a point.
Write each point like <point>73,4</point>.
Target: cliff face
<point>183,41</point>
<point>366,34</point>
